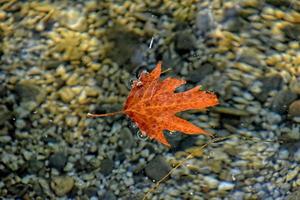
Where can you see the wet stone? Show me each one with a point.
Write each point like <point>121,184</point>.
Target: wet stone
<point>58,161</point>
<point>211,182</point>
<point>279,3</point>
<point>17,190</point>
<point>109,196</point>
<point>174,138</point>
<point>230,111</point>
<point>185,41</point>
<point>34,166</point>
<point>62,185</point>
<point>125,44</point>
<point>201,71</point>
<point>106,166</point>
<point>4,171</point>
<point>126,138</point>
<point>268,84</point>
<point>294,109</point>
<point>294,195</point>
<point>292,32</point>
<point>250,58</point>
<point>204,21</point>
<point>28,91</point>
<point>282,100</point>
<point>91,191</point>
<point>225,186</point>
<point>157,168</point>
<point>5,114</point>
<point>232,21</point>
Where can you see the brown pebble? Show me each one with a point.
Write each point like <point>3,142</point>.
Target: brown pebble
<point>62,185</point>
<point>294,109</point>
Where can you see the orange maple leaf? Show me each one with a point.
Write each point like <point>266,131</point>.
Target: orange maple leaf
<point>152,105</point>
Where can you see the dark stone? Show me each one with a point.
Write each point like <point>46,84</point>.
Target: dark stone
<point>232,21</point>
<point>82,165</point>
<point>230,13</point>
<point>268,84</point>
<point>292,32</point>
<point>157,168</point>
<point>91,191</point>
<point>186,142</point>
<point>126,138</point>
<point>50,139</point>
<point>28,91</point>
<point>109,196</point>
<point>17,190</point>
<point>106,167</point>
<point>201,71</point>
<point>171,59</point>
<point>279,3</point>
<point>173,138</point>
<point>58,161</point>
<point>282,100</point>
<point>294,109</point>
<point>125,45</point>
<point>3,90</point>
<point>5,114</point>
<point>4,171</point>
<point>34,166</point>
<point>185,41</point>
<point>204,21</point>
<point>249,59</point>
<point>138,56</point>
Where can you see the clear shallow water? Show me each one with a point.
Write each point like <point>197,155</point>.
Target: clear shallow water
<point>62,60</point>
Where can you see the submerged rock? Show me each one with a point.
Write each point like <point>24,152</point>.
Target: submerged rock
<point>62,185</point>
<point>282,100</point>
<point>294,109</point>
<point>157,168</point>
<point>58,161</point>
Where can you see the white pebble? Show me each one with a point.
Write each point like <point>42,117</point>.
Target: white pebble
<point>225,186</point>
<point>211,182</point>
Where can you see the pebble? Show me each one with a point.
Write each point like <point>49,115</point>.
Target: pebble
<point>91,191</point>
<point>126,138</point>
<point>5,114</point>
<point>27,90</point>
<point>291,31</point>
<point>185,41</point>
<point>294,195</point>
<point>58,161</point>
<point>109,196</point>
<point>34,166</point>
<point>230,111</point>
<point>283,154</point>
<point>71,121</point>
<point>294,109</point>
<point>62,185</point>
<point>66,94</point>
<point>157,168</point>
<point>269,83</point>
<point>201,71</point>
<point>292,174</point>
<point>106,166</point>
<point>297,155</point>
<point>225,186</point>
<point>282,100</point>
<point>211,182</point>
<point>204,21</point>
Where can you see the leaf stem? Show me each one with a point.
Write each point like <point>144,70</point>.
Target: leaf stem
<point>105,114</point>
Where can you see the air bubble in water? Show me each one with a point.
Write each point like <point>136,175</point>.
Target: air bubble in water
<point>141,136</point>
